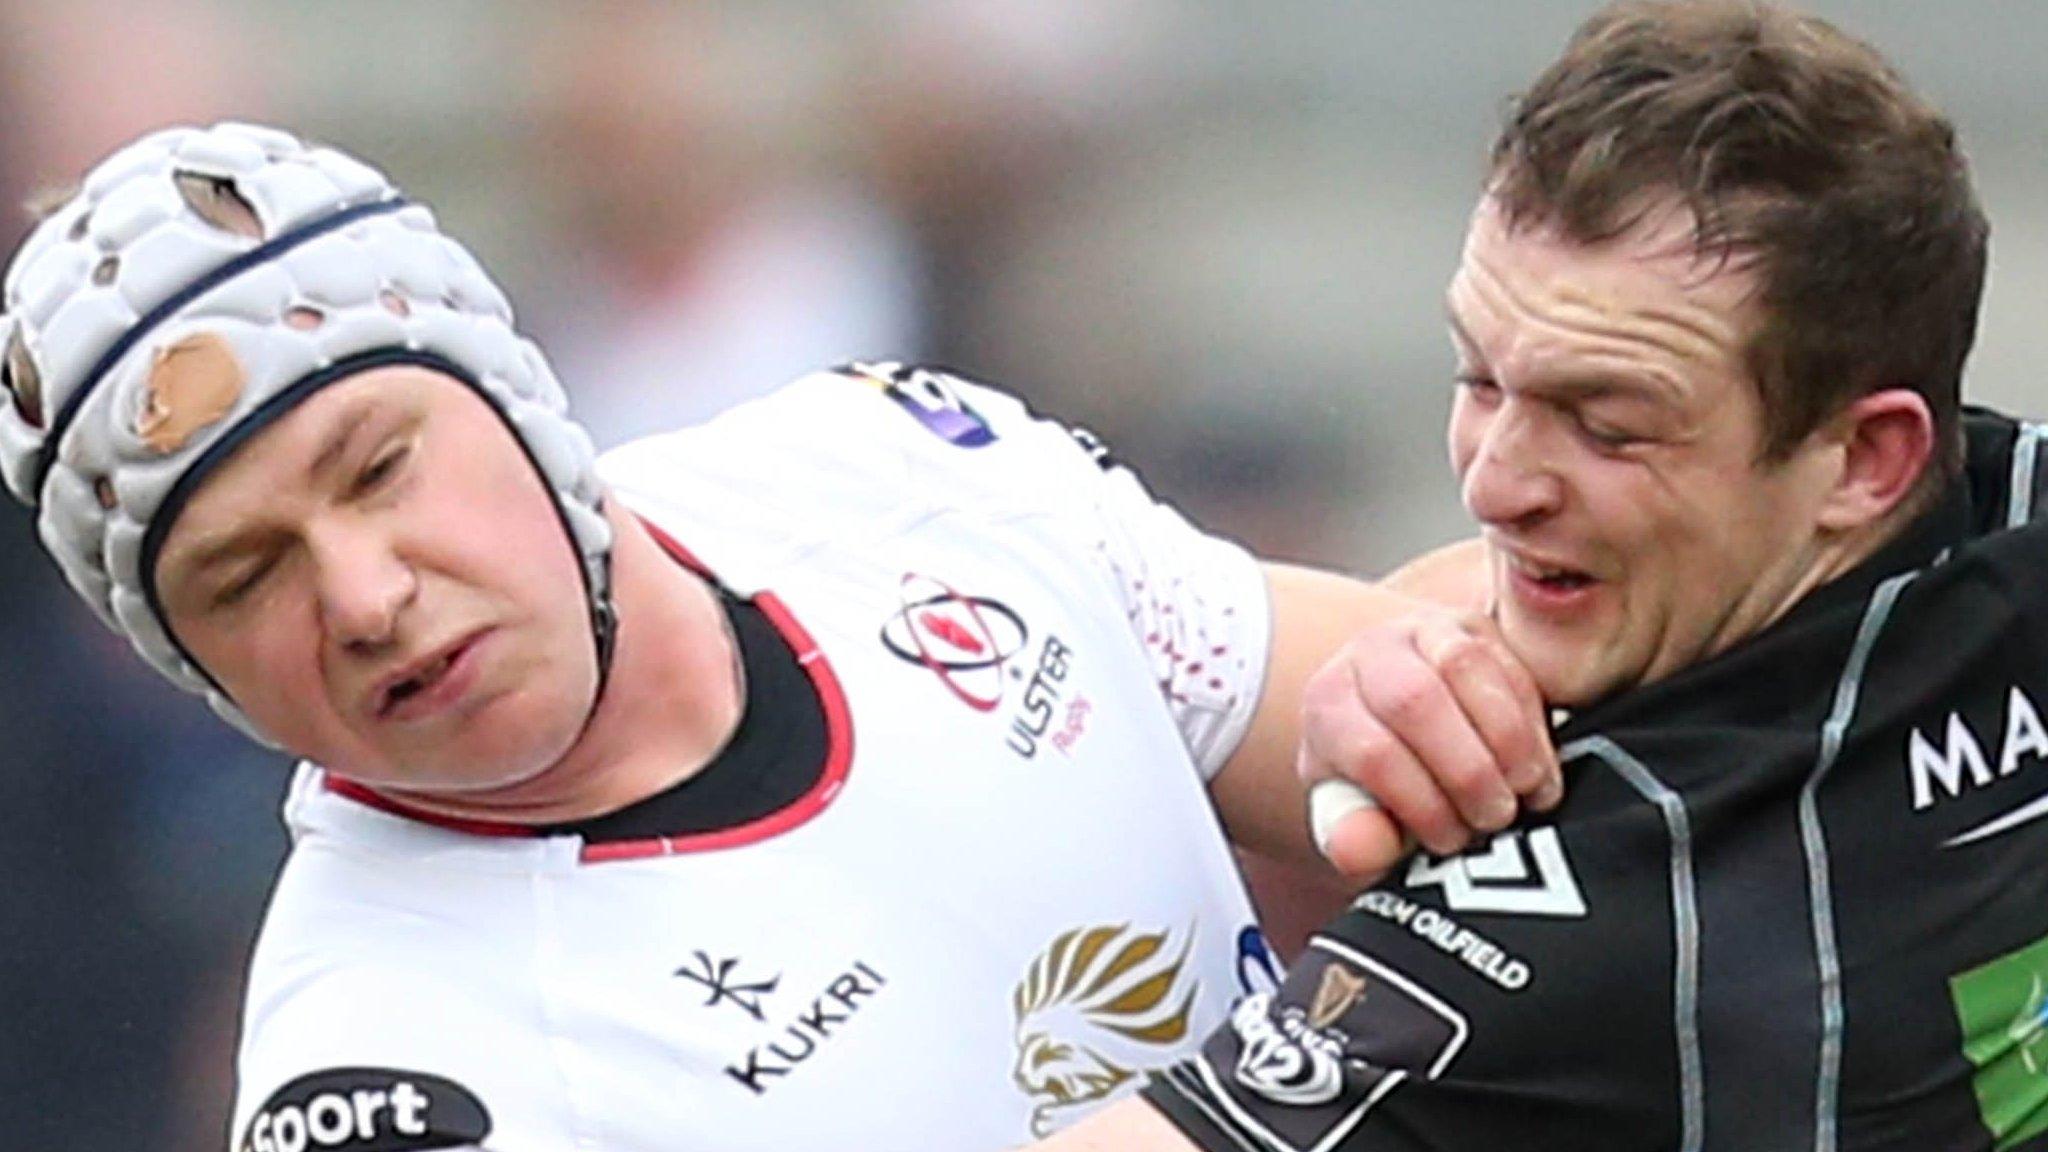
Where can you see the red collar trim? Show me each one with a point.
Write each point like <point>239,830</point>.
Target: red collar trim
<point>838,757</point>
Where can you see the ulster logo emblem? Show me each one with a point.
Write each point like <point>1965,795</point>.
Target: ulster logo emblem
<point>964,640</point>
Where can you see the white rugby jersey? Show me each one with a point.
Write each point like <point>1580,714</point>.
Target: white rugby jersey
<point>1006,899</point>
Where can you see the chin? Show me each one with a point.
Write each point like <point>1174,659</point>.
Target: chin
<point>448,781</point>
<point>517,736</point>
<point>1566,677</point>
<point>1558,689</point>
<point>505,764</point>
<point>490,766</point>
<point>1572,666</point>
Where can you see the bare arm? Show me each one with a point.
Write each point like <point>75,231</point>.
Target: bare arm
<point>1315,615</point>
<point>1437,703</point>
<point>1258,793</point>
<point>1453,576</point>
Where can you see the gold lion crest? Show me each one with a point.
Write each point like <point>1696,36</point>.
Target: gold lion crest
<point>1097,1007</point>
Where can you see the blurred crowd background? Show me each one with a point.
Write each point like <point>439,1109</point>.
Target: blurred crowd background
<point>1214,231</point>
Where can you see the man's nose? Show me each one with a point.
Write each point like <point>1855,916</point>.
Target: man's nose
<point>364,586</point>
<point>1509,478</point>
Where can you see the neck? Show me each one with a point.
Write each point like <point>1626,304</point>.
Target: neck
<point>674,699</point>
<point>1837,555</point>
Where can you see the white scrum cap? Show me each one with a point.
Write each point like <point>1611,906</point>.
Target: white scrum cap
<point>199,284</point>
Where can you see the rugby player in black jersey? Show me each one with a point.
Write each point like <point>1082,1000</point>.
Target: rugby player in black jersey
<point>1711,319</point>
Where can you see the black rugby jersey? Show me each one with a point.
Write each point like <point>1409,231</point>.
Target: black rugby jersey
<point>1796,898</point>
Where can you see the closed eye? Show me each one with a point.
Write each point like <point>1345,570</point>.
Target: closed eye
<point>1481,387</point>
<point>239,588</point>
<point>1603,433</point>
<point>381,469</point>
<point>1608,437</point>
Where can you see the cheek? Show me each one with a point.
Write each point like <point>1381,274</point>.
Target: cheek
<point>270,665</point>
<point>499,526</point>
<point>1700,558</point>
<point>527,566</point>
<point>1632,519</point>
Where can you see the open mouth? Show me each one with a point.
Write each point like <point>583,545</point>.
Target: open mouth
<point>422,680</point>
<point>1548,576</point>
<point>414,685</point>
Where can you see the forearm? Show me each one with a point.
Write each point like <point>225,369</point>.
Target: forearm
<point>1293,902</point>
<point>1401,687</point>
<point>1453,576</point>
<point>1314,614</point>
<point>1258,794</point>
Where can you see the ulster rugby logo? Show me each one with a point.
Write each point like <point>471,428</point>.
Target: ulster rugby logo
<point>1094,1010</point>
<point>964,640</point>
<point>976,645</point>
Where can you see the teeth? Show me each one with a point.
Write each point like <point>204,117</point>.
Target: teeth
<point>1543,571</point>
<point>413,685</point>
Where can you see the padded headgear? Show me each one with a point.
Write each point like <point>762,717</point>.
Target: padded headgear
<point>287,266</point>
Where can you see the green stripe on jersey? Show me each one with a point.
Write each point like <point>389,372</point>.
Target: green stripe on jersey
<point>2003,1009</point>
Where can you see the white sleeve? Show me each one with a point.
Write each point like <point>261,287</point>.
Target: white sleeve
<point>1197,603</point>
<point>882,445</point>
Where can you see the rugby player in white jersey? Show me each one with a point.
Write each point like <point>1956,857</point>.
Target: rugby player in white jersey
<point>844,773</point>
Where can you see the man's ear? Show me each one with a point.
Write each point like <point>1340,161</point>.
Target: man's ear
<point>1886,440</point>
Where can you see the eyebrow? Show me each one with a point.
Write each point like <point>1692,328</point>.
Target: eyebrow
<point>339,438</point>
<point>202,558</point>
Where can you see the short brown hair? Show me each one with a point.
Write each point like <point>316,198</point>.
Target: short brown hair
<point>1798,150</point>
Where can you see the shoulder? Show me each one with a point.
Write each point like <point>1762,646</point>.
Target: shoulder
<point>869,449</point>
<point>883,418</point>
<point>2007,480</point>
